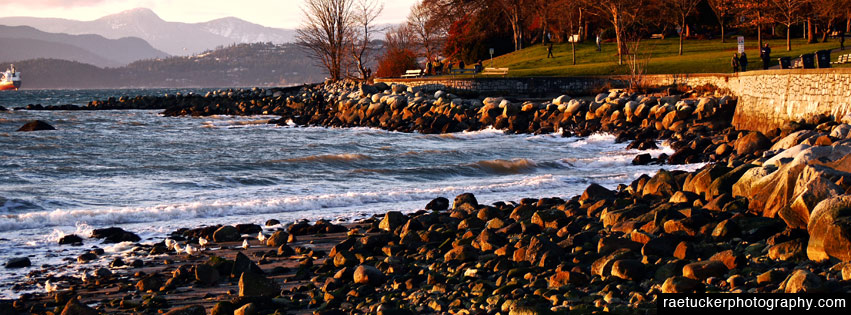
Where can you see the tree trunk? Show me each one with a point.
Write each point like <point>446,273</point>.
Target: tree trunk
<point>682,33</point>
<point>618,37</point>
<point>759,29</point>
<point>573,48</point>
<point>789,37</point>
<point>723,39</point>
<point>811,38</point>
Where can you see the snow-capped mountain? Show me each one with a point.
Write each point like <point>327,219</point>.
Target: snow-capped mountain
<point>175,38</point>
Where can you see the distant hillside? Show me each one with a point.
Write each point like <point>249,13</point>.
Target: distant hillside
<point>17,49</point>
<point>24,42</point>
<point>172,37</point>
<point>260,64</point>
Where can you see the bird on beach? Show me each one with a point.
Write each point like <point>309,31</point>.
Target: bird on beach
<point>169,243</point>
<point>84,276</point>
<point>50,287</point>
<point>203,241</point>
<point>190,250</point>
<point>178,248</point>
<point>261,237</point>
<point>245,244</point>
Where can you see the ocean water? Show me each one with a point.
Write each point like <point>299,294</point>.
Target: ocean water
<point>152,174</point>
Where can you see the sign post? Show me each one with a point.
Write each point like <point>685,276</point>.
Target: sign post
<point>741,40</point>
<point>491,51</point>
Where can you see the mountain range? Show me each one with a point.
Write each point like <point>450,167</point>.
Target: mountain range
<point>174,38</point>
<point>24,42</point>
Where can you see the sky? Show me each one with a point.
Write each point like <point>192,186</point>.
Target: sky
<point>272,13</point>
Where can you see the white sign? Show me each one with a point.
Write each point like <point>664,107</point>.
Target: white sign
<point>741,44</point>
<point>491,51</point>
<point>573,38</point>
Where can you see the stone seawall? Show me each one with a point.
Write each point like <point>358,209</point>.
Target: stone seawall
<point>767,99</point>
<point>554,86</point>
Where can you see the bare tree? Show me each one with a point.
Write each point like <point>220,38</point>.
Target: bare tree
<point>544,10</point>
<point>365,13</point>
<point>426,29</point>
<point>722,9</point>
<point>623,14</point>
<point>683,8</point>
<point>788,12</point>
<point>326,33</point>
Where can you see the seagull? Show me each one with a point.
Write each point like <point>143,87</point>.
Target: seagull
<point>261,237</point>
<point>169,243</point>
<point>177,248</point>
<point>84,277</point>
<point>202,241</point>
<point>245,244</point>
<point>190,250</point>
<point>50,287</point>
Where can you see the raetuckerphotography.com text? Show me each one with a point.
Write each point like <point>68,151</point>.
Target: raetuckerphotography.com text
<point>695,304</point>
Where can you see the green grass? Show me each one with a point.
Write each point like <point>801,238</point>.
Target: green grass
<point>700,56</point>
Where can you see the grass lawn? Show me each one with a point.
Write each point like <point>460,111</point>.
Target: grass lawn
<point>700,56</point>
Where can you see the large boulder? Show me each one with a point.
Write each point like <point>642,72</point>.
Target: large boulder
<point>115,235</point>
<point>36,125</point>
<point>74,307</point>
<point>365,274</point>
<point>277,239</point>
<point>830,230</point>
<point>226,233</point>
<point>392,220</point>
<point>19,262</point>
<point>803,281</point>
<point>662,184</point>
<point>816,183</point>
<point>752,142</point>
<point>252,284</point>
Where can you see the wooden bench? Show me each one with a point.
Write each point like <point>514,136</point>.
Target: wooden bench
<point>657,36</point>
<point>413,73</point>
<point>463,71</point>
<point>842,59</point>
<point>798,63</point>
<point>495,71</point>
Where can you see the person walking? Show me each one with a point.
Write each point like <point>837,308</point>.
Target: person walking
<point>734,62</point>
<point>599,39</point>
<point>841,39</point>
<point>743,62</point>
<point>461,64</point>
<point>765,54</point>
<point>550,51</point>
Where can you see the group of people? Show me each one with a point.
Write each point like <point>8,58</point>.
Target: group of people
<point>740,62</point>
<point>437,67</point>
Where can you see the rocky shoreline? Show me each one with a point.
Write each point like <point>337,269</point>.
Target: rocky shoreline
<point>768,213</point>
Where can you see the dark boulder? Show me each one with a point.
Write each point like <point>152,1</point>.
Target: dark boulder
<point>36,125</point>
<point>438,204</point>
<point>71,239</point>
<point>19,262</point>
<point>115,235</point>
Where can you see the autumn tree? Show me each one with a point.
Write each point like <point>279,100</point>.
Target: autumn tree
<point>722,9</point>
<point>325,33</point>
<point>363,29</point>
<point>788,12</point>
<point>683,9</point>
<point>398,56</point>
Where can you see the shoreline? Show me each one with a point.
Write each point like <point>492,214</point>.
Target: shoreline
<point>762,216</point>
